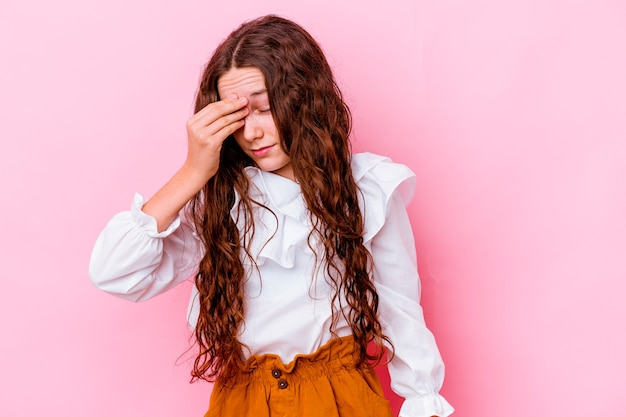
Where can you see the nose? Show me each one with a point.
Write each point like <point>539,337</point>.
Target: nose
<point>252,129</point>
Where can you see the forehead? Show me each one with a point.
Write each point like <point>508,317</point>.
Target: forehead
<point>243,82</point>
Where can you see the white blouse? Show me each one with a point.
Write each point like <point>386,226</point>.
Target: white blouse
<point>288,309</point>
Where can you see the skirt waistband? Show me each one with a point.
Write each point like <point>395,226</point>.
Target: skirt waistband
<point>339,353</point>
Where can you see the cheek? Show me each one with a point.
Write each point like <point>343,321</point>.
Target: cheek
<point>269,126</point>
<point>239,139</point>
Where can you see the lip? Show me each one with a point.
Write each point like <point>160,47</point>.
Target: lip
<point>260,152</point>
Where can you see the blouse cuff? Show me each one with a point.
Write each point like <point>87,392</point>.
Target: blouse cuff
<point>147,223</point>
<point>426,406</point>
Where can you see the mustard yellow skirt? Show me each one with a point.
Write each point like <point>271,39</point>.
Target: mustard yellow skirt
<point>322,384</point>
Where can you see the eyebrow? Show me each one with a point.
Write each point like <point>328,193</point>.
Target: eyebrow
<point>258,93</point>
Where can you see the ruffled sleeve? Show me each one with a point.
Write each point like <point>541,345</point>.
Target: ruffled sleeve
<point>378,179</point>
<point>133,261</point>
<point>417,369</point>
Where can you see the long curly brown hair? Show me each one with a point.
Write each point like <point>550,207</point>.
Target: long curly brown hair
<point>313,123</point>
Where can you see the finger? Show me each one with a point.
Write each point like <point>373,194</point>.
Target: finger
<point>230,118</point>
<point>229,129</point>
<point>202,122</point>
<point>214,111</point>
<point>216,127</point>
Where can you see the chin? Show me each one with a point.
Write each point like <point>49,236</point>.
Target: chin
<point>268,167</point>
<point>278,168</point>
<point>271,166</point>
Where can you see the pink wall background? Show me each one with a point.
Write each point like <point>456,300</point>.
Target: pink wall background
<point>512,114</point>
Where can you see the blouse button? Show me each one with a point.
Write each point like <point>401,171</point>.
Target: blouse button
<point>276,373</point>
<point>282,384</point>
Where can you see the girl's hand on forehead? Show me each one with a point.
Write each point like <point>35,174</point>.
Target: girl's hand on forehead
<point>207,130</point>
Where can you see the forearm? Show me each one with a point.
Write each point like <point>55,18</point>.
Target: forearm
<point>206,131</point>
<point>167,202</point>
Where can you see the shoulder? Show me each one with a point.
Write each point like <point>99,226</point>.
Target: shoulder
<point>379,173</point>
<point>379,179</point>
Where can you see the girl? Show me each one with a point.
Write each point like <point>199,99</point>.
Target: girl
<point>302,253</point>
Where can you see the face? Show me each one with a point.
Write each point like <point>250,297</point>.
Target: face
<point>258,138</point>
